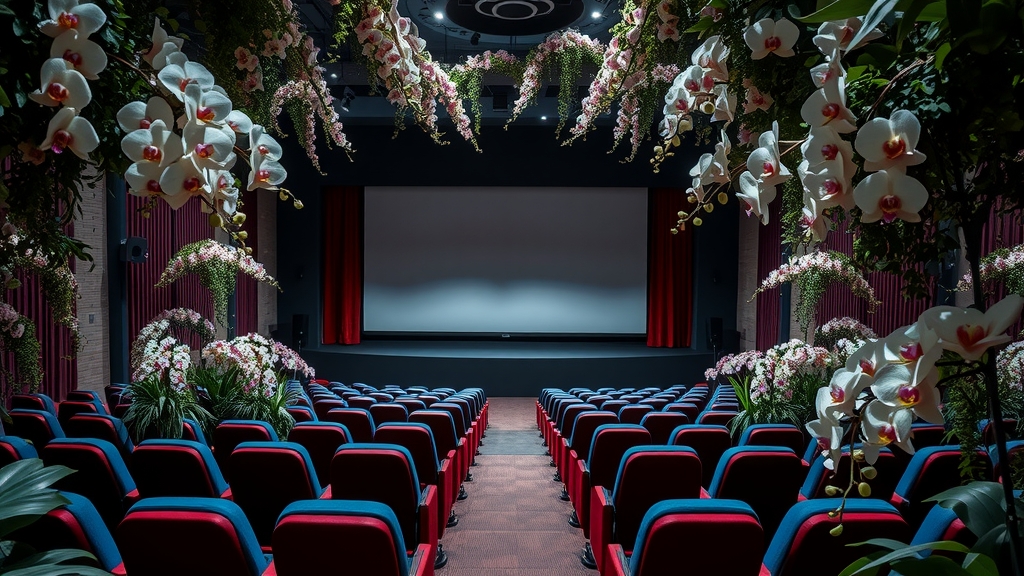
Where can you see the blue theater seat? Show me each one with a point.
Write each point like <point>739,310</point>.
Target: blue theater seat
<point>36,426</point>
<point>768,478</point>
<point>76,525</point>
<point>321,440</point>
<point>13,449</point>
<point>183,468</point>
<point>100,474</point>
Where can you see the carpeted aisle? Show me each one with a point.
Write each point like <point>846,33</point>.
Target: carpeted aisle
<point>513,523</point>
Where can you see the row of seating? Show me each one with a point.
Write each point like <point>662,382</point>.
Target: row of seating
<point>615,473</point>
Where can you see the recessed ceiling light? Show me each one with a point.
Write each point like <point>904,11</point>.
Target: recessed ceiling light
<point>543,117</point>
<point>333,75</point>
<point>595,14</point>
<point>439,15</point>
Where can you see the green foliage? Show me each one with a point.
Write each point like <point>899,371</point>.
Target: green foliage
<point>966,404</point>
<point>25,496</point>
<point>157,410</point>
<point>227,399</point>
<point>26,371</point>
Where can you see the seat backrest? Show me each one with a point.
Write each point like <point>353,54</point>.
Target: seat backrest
<point>322,407</point>
<point>85,396</point>
<point>321,441</point>
<point>766,477</point>
<point>418,440</point>
<point>382,397</point>
<point>101,475</point>
<point>456,412</point>
<point>382,473</point>
<point>468,414</point>
<point>657,403</point>
<point>442,426</point>
<point>150,538</point>
<point>36,426</point>
<point>786,435</point>
<point>925,435</point>
<point>177,468</point>
<point>33,402</point>
<point>691,410</point>
<point>802,545</point>
<point>361,402</point>
<point>933,469</point>
<point>634,413</point>
<point>606,449</point>
<point>569,417</point>
<point>318,536</point>
<point>302,413</point>
<point>411,404</point>
<point>661,424</point>
<point>614,406</point>
<point>191,430</point>
<point>358,421</point>
<point>67,409</point>
<point>231,433</point>
<point>710,442</point>
<point>647,475</point>
<point>1014,451</point>
<point>76,525</point>
<point>267,476</point>
<point>383,413</point>
<point>583,430</point>
<point>598,400</point>
<point>942,524</point>
<point>102,426</point>
<point>888,466</point>
<point>701,534</point>
<point>13,449</point>
<point>712,417</point>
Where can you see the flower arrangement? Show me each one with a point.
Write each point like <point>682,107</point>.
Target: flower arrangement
<point>218,266</point>
<point>783,383</point>
<point>1005,265</point>
<point>829,334</point>
<point>739,366</point>
<point>155,338</point>
<point>1010,366</point>
<point>18,336</point>
<point>812,273</point>
<point>468,78</point>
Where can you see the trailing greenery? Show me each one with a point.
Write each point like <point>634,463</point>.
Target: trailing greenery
<point>157,410</point>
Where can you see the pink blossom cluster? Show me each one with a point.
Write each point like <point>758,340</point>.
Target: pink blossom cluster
<point>820,262</point>
<point>737,365</point>
<point>782,364</point>
<point>485,61</point>
<point>634,86</point>
<point>847,324</point>
<point>10,321</point>
<point>617,61</point>
<point>1010,366</point>
<point>291,361</point>
<point>316,101</point>
<point>997,266</point>
<point>257,358</point>
<point>553,44</point>
<point>165,357</point>
<point>154,350</point>
<point>668,29</point>
<point>211,252</point>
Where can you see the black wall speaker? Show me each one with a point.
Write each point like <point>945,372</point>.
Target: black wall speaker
<point>134,249</point>
<point>715,333</point>
<point>300,330</point>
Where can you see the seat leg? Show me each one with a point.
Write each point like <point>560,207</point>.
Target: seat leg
<point>564,496</point>
<point>587,557</point>
<point>453,520</point>
<point>557,477</point>
<point>574,520</point>
<point>441,559</point>
<point>462,493</point>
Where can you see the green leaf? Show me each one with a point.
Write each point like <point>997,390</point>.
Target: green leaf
<point>909,20</point>
<point>4,100</point>
<point>979,505</point>
<point>5,11</point>
<point>980,565</point>
<point>879,12</point>
<point>901,551</point>
<point>839,10</point>
<point>940,54</point>
<point>930,566</point>
<point>201,26</point>
<point>857,566</point>
<point>701,25</point>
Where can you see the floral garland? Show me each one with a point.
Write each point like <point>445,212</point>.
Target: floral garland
<point>18,335</point>
<point>218,266</point>
<point>61,289</point>
<point>735,365</point>
<point>468,77</point>
<point>1005,265</point>
<point>160,327</point>
<point>829,334</point>
<point>291,361</point>
<point>258,360</point>
<point>812,273</point>
<point>309,99</point>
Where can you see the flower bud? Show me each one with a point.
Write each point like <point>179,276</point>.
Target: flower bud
<point>837,531</point>
<point>675,231</point>
<point>858,455</point>
<point>697,221</point>
<point>691,198</point>
<point>681,214</point>
<point>723,198</point>
<point>215,220</point>
<point>831,490</point>
<point>242,235</point>
<point>707,107</point>
<point>283,196</point>
<point>238,218</point>
<point>864,489</point>
<point>869,472</point>
<point>709,207</point>
<point>298,204</point>
<point>248,250</point>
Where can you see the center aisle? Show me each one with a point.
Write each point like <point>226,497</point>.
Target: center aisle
<point>513,523</point>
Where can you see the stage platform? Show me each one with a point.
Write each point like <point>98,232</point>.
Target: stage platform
<point>509,368</point>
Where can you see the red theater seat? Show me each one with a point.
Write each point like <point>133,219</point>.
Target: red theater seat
<point>768,478</point>
<point>710,442</point>
<point>357,421</point>
<point>610,442</point>
<point>383,413</point>
<point>100,475</point>
<point>177,468</point>
<point>419,441</point>
<point>786,435</point>
<point>76,525</point>
<point>13,449</point>
<point>661,425</point>
<point>321,440</point>
<point>931,470</point>
<point>231,433</point>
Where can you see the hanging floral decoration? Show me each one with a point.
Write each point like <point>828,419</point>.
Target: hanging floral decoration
<point>18,337</point>
<point>468,77</point>
<point>218,266</point>
<point>829,334</point>
<point>1004,265</point>
<point>179,320</point>
<point>812,273</point>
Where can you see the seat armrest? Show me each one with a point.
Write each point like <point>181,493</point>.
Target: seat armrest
<point>271,570</point>
<point>618,564</point>
<point>602,518</point>
<point>419,564</point>
<point>119,570</point>
<point>428,517</point>
<point>444,495</point>
<point>227,494</point>
<point>327,493</point>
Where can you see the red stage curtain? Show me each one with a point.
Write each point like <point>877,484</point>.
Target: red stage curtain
<point>669,272</point>
<point>343,265</point>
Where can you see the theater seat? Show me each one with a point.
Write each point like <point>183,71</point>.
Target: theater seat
<point>889,469</point>
<point>177,468</point>
<point>76,525</point>
<point>13,449</point>
<point>103,427</point>
<point>767,478</point>
<point>33,402</point>
<point>610,442</point>
<point>693,536</point>
<point>932,470</point>
<point>231,433</point>
<point>661,425</point>
<point>67,409</point>
<point>101,475</point>
<point>321,536</point>
<point>192,536</point>
<point>36,426</point>
<point>786,435</point>
<point>419,441</point>
<point>357,421</point>
<point>710,442</point>
<point>321,440</point>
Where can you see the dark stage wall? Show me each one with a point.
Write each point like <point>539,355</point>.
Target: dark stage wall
<point>520,156</point>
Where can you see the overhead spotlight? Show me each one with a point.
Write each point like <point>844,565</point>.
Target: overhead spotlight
<point>595,14</point>
<point>346,99</point>
<point>475,38</point>
<point>439,15</point>
<point>333,75</point>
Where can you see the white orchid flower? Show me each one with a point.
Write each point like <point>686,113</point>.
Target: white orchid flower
<point>177,75</point>
<point>827,71</point>
<point>836,36</point>
<point>894,386</point>
<point>756,196</point>
<point>239,122</point>
<point>70,15</point>
<point>62,84</point>
<point>135,115</point>
<point>823,145</point>
<point>209,146</point>
<point>265,173</point>
<point>225,194</point>
<point>889,143</point>
<point>84,55</point>
<point>163,45</point>
<point>827,107</point>
<point>68,131</point>
<point>839,398</point>
<point>209,107</point>
<point>144,179</point>
<point>158,145</point>
<point>882,425</point>
<point>970,332</point>
<point>756,100</point>
<point>812,218</point>
<point>868,359</point>
<point>764,162</point>
<point>725,103</point>
<point>888,195</point>
<point>712,56</point>
<point>828,183</point>
<point>829,436</point>
<point>767,36</point>
<point>678,100</point>
<point>915,345</point>
<point>263,145</point>
<point>182,180</point>
<point>713,168</point>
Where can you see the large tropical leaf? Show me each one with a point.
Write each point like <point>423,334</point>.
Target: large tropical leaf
<point>25,492</point>
<point>979,505</point>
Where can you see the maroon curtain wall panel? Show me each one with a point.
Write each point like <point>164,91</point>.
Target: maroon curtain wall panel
<point>669,272</point>
<point>247,288</point>
<point>343,265</point>
<point>769,257</point>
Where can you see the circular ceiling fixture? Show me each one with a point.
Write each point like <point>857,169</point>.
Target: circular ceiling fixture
<point>514,17</point>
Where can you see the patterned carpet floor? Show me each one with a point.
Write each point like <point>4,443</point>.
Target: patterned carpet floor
<point>513,523</point>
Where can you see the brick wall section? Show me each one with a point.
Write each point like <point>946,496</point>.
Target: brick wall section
<point>94,307</point>
<point>746,312</point>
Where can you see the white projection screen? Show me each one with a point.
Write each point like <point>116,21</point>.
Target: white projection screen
<point>493,261</point>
